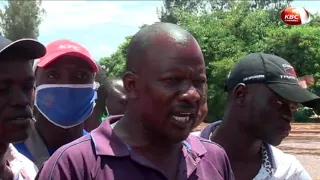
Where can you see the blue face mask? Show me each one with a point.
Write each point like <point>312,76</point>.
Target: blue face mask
<point>65,105</point>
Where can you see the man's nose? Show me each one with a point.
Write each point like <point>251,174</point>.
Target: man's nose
<point>191,95</point>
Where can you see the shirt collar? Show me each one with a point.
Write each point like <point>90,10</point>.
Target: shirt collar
<point>266,151</point>
<point>267,159</point>
<point>106,142</point>
<point>207,131</point>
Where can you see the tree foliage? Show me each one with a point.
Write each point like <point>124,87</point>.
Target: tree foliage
<point>166,12</point>
<point>21,19</point>
<point>114,65</point>
<point>247,26</point>
<point>300,46</point>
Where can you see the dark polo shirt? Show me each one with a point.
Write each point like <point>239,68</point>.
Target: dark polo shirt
<point>102,155</point>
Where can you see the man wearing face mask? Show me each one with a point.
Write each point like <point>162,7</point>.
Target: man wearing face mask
<point>64,98</point>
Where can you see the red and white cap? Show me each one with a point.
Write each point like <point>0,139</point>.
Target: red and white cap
<point>63,47</point>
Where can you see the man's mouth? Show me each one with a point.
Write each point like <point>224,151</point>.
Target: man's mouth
<point>182,120</point>
<point>21,118</point>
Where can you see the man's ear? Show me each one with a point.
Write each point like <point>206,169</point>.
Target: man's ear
<point>240,93</point>
<point>130,84</point>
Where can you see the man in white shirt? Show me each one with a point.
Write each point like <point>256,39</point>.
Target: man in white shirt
<point>263,91</point>
<point>16,89</point>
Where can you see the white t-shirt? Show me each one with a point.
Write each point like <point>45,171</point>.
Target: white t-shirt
<point>277,165</point>
<point>21,167</point>
<point>286,167</point>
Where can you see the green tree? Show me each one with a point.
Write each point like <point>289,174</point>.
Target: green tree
<point>300,46</point>
<point>21,19</point>
<point>226,36</point>
<point>114,65</point>
<point>166,12</point>
<point>315,20</point>
<point>270,4</point>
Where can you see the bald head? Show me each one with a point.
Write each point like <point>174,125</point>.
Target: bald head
<point>117,82</point>
<point>117,99</point>
<point>154,36</point>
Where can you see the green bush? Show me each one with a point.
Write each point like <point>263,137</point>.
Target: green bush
<point>303,115</point>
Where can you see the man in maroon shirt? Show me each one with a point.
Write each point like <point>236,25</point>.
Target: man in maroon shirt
<point>165,83</point>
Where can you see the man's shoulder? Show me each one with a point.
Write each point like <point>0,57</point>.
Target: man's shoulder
<point>72,151</point>
<point>209,146</point>
<point>280,155</point>
<point>78,146</point>
<point>208,143</point>
<point>281,158</point>
<point>212,156</point>
<point>73,156</point>
<point>287,165</point>
<point>206,132</point>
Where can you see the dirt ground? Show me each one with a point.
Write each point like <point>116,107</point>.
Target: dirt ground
<point>304,143</point>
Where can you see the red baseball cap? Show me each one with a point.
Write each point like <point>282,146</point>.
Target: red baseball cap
<point>62,47</point>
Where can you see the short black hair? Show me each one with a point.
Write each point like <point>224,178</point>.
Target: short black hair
<point>143,40</point>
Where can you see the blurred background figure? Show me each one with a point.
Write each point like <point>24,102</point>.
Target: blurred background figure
<point>111,100</point>
<point>117,98</point>
<point>99,112</point>
<point>203,111</point>
<point>306,81</point>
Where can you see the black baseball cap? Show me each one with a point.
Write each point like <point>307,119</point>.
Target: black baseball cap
<point>28,48</point>
<point>276,73</point>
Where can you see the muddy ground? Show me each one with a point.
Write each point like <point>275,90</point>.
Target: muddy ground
<point>304,143</point>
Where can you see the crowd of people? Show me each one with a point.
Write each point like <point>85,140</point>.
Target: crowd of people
<point>64,119</point>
